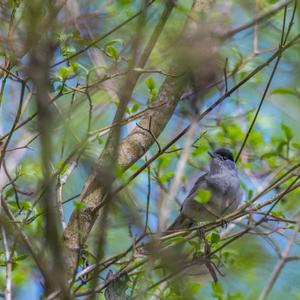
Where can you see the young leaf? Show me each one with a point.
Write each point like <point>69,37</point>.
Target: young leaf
<point>218,291</point>
<point>65,72</point>
<point>215,237</point>
<point>287,131</point>
<point>66,51</point>
<point>114,41</point>
<point>285,91</point>
<point>113,52</point>
<point>296,145</point>
<point>135,108</point>
<point>78,205</point>
<point>150,83</point>
<point>203,196</point>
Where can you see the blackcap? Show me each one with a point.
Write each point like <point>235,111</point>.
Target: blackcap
<point>221,184</point>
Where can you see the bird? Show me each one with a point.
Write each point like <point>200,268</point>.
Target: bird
<point>222,188</point>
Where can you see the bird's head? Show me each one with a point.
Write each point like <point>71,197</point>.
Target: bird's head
<point>222,159</point>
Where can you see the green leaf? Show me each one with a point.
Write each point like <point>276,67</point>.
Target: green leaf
<point>113,52</point>
<point>78,205</point>
<point>235,296</point>
<point>9,192</point>
<point>285,91</point>
<point>164,161</point>
<point>269,154</point>
<point>277,213</point>
<point>287,131</point>
<point>62,37</point>
<point>150,83</point>
<point>203,196</point>
<point>100,140</point>
<point>296,145</point>
<point>124,2</point>
<point>66,51</point>
<point>65,72</point>
<point>234,132</point>
<point>59,164</point>
<point>62,89</point>
<point>30,168</point>
<point>153,93</point>
<point>166,176</point>
<point>74,66</point>
<point>183,178</point>
<point>280,146</point>
<point>25,204</point>
<point>134,108</point>
<point>114,41</point>
<point>134,168</point>
<point>218,291</point>
<point>250,194</point>
<point>13,204</point>
<point>20,257</point>
<point>195,287</point>
<point>256,138</point>
<point>215,237</point>
<point>19,277</point>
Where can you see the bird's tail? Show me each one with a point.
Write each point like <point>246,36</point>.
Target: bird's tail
<point>181,222</point>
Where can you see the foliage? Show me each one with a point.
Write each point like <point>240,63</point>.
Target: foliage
<point>78,83</point>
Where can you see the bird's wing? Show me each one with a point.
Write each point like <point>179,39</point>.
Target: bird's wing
<point>182,221</point>
<point>197,211</point>
<point>200,182</point>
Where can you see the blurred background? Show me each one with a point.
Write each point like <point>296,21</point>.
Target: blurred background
<point>84,92</point>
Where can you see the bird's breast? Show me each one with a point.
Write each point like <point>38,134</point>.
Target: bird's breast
<point>223,183</point>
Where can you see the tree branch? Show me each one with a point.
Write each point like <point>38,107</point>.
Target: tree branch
<point>279,266</point>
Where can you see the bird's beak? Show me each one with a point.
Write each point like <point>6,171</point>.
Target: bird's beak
<point>211,154</point>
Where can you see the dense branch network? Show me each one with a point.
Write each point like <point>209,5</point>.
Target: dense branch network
<point>118,155</point>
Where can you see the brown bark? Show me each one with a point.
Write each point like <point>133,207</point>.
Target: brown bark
<point>133,147</point>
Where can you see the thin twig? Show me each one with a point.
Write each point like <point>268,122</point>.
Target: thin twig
<point>8,263</point>
<point>61,181</point>
<point>15,123</point>
<point>26,239</point>
<point>281,263</point>
<point>148,199</point>
<point>283,39</point>
<point>151,133</point>
<point>263,16</point>
<point>208,110</point>
<point>96,41</point>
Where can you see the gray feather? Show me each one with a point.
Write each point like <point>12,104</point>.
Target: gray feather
<point>223,183</point>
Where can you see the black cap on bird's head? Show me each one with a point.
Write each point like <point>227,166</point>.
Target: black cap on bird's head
<point>222,153</point>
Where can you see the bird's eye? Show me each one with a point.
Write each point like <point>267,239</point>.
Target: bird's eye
<point>224,157</point>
